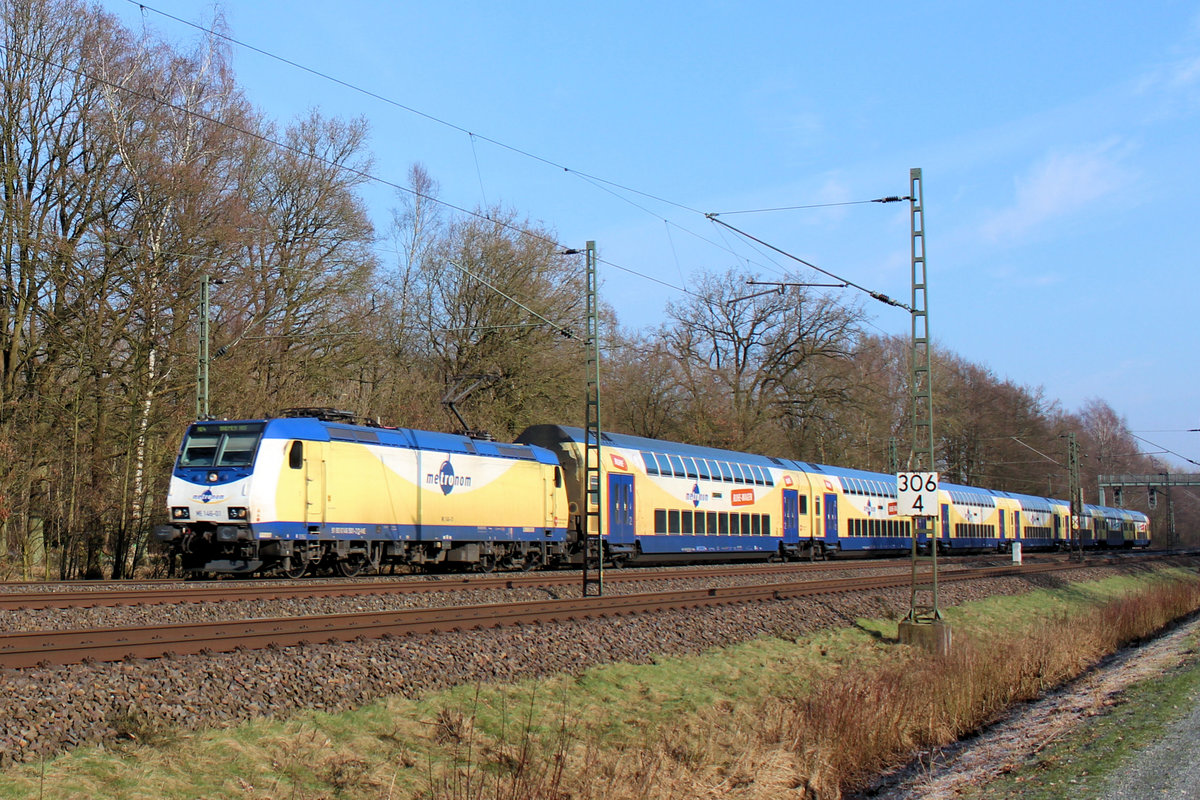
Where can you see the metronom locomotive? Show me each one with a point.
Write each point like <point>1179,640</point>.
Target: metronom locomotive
<point>313,491</point>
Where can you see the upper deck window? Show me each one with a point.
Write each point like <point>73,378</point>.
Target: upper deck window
<point>221,444</point>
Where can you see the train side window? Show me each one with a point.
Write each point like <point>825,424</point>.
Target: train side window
<point>701,519</point>
<point>724,520</point>
<point>296,455</point>
<point>558,477</point>
<point>687,522</point>
<point>746,524</point>
<point>726,472</point>
<point>651,463</point>
<point>689,464</point>
<point>677,466</point>
<point>712,522</point>
<point>766,525</point>
<point>660,520</point>
<point>756,524</point>
<point>803,504</point>
<point>673,522</point>
<point>703,466</point>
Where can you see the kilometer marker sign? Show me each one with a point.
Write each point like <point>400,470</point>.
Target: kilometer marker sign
<point>916,494</point>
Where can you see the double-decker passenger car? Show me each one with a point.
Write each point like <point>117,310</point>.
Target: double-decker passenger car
<point>669,501</point>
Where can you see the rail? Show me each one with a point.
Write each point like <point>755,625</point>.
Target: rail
<point>32,648</point>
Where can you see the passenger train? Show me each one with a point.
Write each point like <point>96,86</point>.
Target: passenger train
<point>312,490</point>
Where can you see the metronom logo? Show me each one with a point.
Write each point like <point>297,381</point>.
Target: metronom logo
<point>446,479</point>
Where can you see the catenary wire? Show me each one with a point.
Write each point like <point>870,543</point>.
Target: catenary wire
<point>592,179</point>
<point>351,170</point>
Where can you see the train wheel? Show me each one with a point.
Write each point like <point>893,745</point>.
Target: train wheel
<point>486,563</point>
<point>351,566</point>
<point>296,568</point>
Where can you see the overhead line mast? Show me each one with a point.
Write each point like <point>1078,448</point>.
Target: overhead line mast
<point>593,541</point>
<point>924,621</point>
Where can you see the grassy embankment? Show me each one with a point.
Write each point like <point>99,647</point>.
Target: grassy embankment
<point>771,718</point>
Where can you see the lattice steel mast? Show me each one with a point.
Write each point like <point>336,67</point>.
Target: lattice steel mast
<point>593,546</point>
<point>922,458</point>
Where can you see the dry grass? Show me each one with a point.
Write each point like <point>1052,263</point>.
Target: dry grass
<point>844,730</point>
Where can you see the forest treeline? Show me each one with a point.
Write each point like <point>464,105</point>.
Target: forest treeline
<point>133,168</point>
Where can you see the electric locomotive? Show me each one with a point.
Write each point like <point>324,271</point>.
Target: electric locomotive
<point>312,490</point>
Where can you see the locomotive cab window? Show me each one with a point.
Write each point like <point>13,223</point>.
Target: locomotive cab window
<point>220,444</point>
<point>296,455</point>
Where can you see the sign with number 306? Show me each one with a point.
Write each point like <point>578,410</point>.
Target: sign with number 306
<point>916,494</point>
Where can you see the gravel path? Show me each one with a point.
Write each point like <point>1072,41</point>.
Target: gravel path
<point>1169,769</point>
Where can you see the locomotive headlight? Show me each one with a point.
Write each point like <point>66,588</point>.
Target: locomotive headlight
<point>237,512</point>
<point>180,512</point>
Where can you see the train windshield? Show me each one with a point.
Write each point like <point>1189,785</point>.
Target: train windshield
<point>221,444</point>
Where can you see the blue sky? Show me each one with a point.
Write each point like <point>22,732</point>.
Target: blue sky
<point>1059,144</point>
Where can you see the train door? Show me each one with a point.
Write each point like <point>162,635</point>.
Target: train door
<point>1002,525</point>
<point>791,516</point>
<point>946,523</point>
<point>314,484</point>
<point>554,482</point>
<point>831,519</point>
<point>1016,526</point>
<point>620,509</point>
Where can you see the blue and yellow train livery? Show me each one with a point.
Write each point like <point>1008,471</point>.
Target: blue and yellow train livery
<point>293,493</point>
<point>669,501</point>
<point>856,511</point>
<point>312,490</point>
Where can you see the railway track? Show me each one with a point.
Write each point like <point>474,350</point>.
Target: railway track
<point>172,592</point>
<point>32,648</point>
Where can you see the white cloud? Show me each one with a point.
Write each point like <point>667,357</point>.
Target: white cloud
<point>1061,185</point>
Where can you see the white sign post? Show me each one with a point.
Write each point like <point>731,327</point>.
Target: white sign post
<point>916,494</point>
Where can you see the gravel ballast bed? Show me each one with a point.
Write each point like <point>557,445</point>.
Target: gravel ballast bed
<point>47,710</point>
<point>218,610</point>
